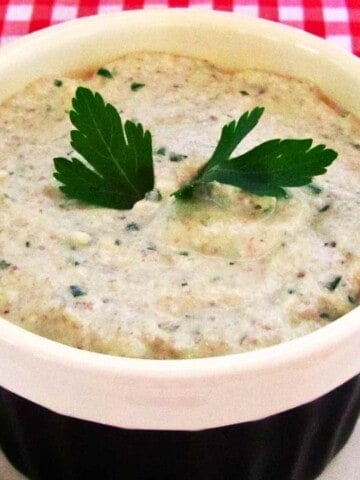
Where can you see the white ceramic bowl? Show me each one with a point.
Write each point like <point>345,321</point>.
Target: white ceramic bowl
<point>180,394</point>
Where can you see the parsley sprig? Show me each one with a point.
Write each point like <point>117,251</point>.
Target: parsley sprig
<point>265,169</point>
<point>120,155</point>
<point>120,159</point>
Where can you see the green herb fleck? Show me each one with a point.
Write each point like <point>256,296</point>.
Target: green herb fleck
<point>265,169</point>
<point>314,188</point>
<point>244,93</point>
<point>77,291</point>
<point>177,157</point>
<point>161,151</point>
<point>117,242</point>
<point>132,227</point>
<point>184,253</point>
<point>330,244</point>
<point>4,264</point>
<point>27,244</point>
<point>104,72</point>
<point>324,315</point>
<point>325,208</point>
<point>215,279</point>
<point>351,300</point>
<point>332,285</point>
<point>136,86</point>
<point>120,156</point>
<point>58,83</point>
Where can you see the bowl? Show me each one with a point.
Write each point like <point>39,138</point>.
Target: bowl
<point>281,413</point>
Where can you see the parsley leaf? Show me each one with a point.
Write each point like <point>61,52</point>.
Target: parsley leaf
<point>265,169</point>
<point>233,133</point>
<point>120,155</point>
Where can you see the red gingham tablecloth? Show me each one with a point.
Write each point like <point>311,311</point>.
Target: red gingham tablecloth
<point>336,20</point>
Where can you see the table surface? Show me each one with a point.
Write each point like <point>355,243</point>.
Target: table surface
<point>336,20</point>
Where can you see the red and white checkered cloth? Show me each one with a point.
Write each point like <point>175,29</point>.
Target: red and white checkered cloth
<point>336,20</point>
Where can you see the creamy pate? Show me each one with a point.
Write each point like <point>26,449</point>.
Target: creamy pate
<point>228,272</point>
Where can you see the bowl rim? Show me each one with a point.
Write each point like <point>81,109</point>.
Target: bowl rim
<point>331,343</point>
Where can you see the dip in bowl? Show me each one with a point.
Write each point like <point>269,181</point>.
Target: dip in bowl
<point>217,417</point>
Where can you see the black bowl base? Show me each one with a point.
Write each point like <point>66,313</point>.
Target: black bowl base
<point>293,445</point>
